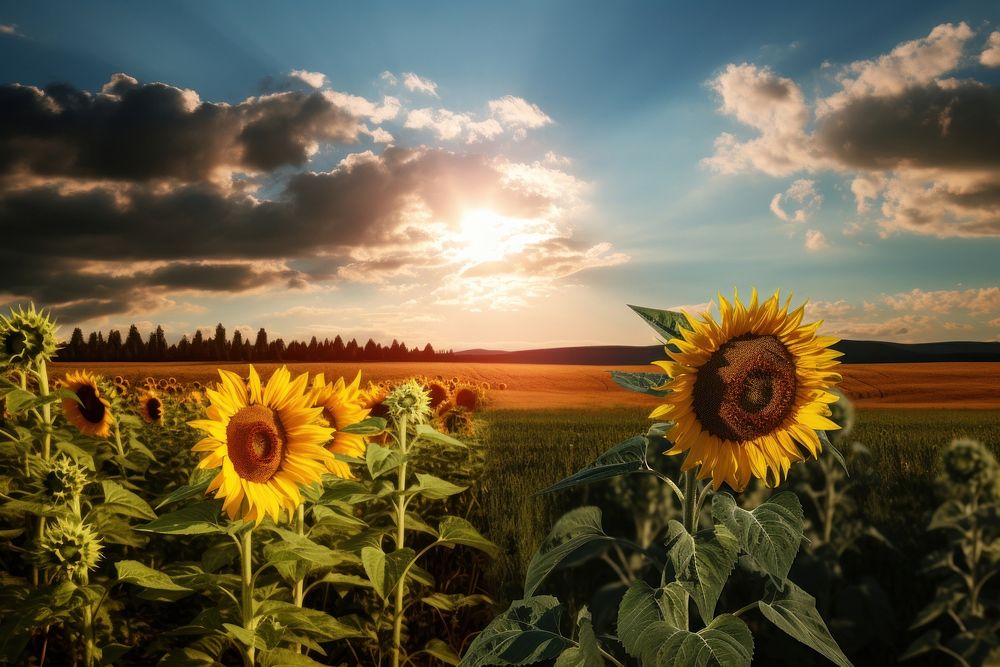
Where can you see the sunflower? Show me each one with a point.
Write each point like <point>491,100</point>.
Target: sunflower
<point>747,391</point>
<point>467,398</point>
<point>438,392</point>
<point>151,408</point>
<point>343,404</point>
<point>92,414</point>
<point>266,441</point>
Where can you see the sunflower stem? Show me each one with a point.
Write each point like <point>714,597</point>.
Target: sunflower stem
<point>300,525</point>
<point>246,561</point>
<point>89,645</point>
<point>43,390</point>
<point>397,625</point>
<point>118,440</point>
<point>690,504</point>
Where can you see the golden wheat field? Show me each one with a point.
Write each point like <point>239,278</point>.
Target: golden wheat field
<point>529,386</point>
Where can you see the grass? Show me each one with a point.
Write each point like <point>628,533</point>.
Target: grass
<point>527,450</point>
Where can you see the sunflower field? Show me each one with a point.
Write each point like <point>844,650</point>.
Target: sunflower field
<point>301,520</point>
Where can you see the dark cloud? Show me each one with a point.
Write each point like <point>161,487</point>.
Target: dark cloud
<point>141,132</point>
<point>953,127</point>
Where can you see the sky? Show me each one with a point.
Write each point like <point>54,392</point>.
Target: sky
<point>500,175</point>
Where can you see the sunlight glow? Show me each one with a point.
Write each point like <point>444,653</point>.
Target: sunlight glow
<point>486,236</point>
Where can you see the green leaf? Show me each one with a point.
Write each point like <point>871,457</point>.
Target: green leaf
<point>384,570</point>
<point>451,602</point>
<point>455,530</point>
<point>702,563</point>
<point>294,547</point>
<point>78,454</point>
<point>642,383</point>
<point>433,487</point>
<point>667,323</point>
<point>528,632</point>
<point>442,652</point>
<point>200,479</point>
<point>643,606</point>
<point>794,611</point>
<point>575,530</point>
<point>725,642</point>
<point>18,400</point>
<point>283,657</point>
<point>587,653</point>
<point>834,452</point>
<point>196,519</point>
<point>426,432</point>
<point>771,533</point>
<point>625,457</point>
<point>134,572</point>
<point>381,460</point>
<point>369,426</point>
<point>925,643</point>
<point>119,500</point>
<point>310,621</point>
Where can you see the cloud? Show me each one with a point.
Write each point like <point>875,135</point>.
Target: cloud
<point>990,57</point>
<point>389,78</point>
<point>825,309</point>
<point>419,84</point>
<point>922,149</point>
<point>363,107</point>
<point>958,326</point>
<point>976,301</point>
<point>144,132</point>
<point>903,327</point>
<point>802,191</point>
<point>518,113</point>
<point>995,323</point>
<point>10,30</point>
<point>314,79</point>
<point>446,124</point>
<point>815,240</point>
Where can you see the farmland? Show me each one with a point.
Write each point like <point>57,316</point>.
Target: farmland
<point>527,386</point>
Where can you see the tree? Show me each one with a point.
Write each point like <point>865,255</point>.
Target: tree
<point>220,348</point>
<point>260,348</point>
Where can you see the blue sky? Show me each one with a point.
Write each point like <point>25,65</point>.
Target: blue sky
<point>502,175</point>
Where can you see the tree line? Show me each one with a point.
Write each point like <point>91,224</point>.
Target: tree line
<point>98,347</point>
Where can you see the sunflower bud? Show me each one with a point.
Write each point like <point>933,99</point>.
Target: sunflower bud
<point>409,400</point>
<point>969,467</point>
<point>71,546</point>
<point>63,479</point>
<point>26,337</point>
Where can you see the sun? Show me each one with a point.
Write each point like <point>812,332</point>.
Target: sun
<point>484,235</point>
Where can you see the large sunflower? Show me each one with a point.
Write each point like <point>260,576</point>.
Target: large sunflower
<point>266,441</point>
<point>747,391</point>
<point>92,413</point>
<point>342,404</point>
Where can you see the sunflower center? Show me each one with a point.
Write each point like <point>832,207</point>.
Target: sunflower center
<point>15,343</point>
<point>155,409</point>
<point>92,408</point>
<point>746,388</point>
<point>255,441</point>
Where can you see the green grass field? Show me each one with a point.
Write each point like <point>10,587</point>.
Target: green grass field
<point>527,450</point>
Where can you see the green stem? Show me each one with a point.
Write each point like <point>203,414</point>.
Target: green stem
<point>246,561</point>
<point>831,506</point>
<point>397,625</point>
<point>611,658</point>
<point>43,390</point>
<point>118,440</point>
<point>690,503</point>
<point>300,582</point>
<point>89,646</point>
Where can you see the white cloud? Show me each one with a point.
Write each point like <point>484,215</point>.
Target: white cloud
<point>446,124</point>
<point>362,107</point>
<point>314,79</point>
<point>381,136</point>
<point>517,112</point>
<point>815,240</point>
<point>990,56</point>
<point>9,29</point>
<point>419,84</point>
<point>389,78</point>
<point>826,309</point>
<point>958,326</point>
<point>802,191</point>
<point>976,301</point>
<point>917,144</point>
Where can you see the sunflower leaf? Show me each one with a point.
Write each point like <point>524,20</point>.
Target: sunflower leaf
<point>625,457</point>
<point>576,530</point>
<point>440,650</point>
<point>587,653</point>
<point>642,606</point>
<point>119,500</point>
<point>385,570</point>
<point>433,487</point>
<point>794,611</point>
<point>725,642</point>
<point>456,530</point>
<point>426,432</point>
<point>368,426</point>
<point>198,484</point>
<point>667,323</point>
<point>824,440</point>
<point>702,562</point>
<point>134,572</point>
<point>196,519</point>
<point>643,383</point>
<point>528,632</point>
<point>771,533</point>
<point>381,460</point>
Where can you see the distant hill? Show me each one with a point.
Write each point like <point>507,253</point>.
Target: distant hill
<point>855,352</point>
